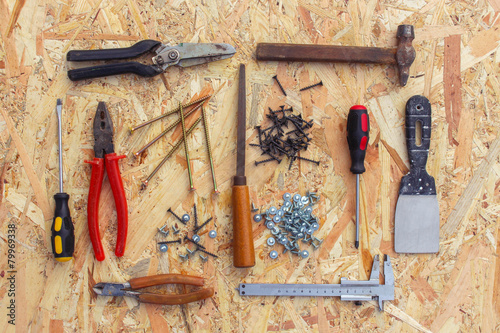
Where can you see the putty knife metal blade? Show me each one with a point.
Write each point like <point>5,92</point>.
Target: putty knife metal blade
<point>416,225</point>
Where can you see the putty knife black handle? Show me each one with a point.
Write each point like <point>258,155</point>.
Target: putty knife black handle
<point>418,181</point>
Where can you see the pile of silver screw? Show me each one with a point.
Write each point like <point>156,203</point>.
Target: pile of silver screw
<point>291,223</point>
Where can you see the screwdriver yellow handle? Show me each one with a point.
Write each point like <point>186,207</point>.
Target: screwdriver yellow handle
<point>63,231</point>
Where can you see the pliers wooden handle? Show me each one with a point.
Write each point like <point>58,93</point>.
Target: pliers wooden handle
<point>106,157</point>
<point>128,289</point>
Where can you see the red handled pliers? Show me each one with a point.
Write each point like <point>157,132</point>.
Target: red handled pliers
<point>105,156</point>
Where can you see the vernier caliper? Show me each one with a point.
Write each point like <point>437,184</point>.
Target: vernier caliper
<point>348,290</point>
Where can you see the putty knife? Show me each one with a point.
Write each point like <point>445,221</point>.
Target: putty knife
<point>417,211</point>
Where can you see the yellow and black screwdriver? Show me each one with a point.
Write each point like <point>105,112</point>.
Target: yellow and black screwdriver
<point>63,232</point>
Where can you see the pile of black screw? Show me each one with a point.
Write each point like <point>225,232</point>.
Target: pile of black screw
<point>287,136</point>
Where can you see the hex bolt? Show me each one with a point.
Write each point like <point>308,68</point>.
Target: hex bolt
<point>184,256</point>
<point>212,234</point>
<point>203,258</point>
<point>257,218</point>
<point>189,251</point>
<point>176,231</point>
<point>279,84</point>
<point>163,248</point>
<point>254,209</point>
<point>273,254</point>
<point>186,218</point>
<point>320,83</point>
<point>271,241</point>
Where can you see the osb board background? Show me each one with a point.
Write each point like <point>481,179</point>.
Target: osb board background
<point>456,290</point>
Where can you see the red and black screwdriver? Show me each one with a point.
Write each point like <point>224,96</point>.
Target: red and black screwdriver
<point>358,127</point>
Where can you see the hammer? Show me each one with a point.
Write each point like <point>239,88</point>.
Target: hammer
<point>403,55</point>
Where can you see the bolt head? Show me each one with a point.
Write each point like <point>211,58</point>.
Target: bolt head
<point>287,196</point>
<point>163,247</point>
<point>185,217</point>
<point>172,55</point>
<point>271,241</point>
<point>269,225</point>
<point>297,198</point>
<point>212,234</point>
<point>272,210</point>
<point>304,254</point>
<point>257,218</point>
<point>196,238</point>
<point>273,254</point>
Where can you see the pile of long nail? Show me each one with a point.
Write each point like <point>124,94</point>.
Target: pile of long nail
<point>183,111</point>
<point>277,142</point>
<point>292,223</point>
<point>195,239</point>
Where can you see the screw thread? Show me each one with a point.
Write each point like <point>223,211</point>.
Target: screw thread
<point>279,84</point>
<point>209,147</point>
<point>320,83</point>
<point>186,150</point>
<point>204,224</point>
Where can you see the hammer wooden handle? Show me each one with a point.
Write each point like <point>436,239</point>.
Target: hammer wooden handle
<point>325,53</point>
<point>243,250</point>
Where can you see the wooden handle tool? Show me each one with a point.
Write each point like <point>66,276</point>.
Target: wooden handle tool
<point>243,250</point>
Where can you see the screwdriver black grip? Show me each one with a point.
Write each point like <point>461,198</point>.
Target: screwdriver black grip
<point>63,231</point>
<point>358,127</point>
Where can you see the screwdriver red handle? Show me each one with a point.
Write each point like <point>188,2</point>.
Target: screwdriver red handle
<point>358,127</point>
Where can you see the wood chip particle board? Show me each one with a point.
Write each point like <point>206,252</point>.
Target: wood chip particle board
<point>456,68</point>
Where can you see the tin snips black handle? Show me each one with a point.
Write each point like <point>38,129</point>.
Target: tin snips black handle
<point>418,181</point>
<point>132,67</point>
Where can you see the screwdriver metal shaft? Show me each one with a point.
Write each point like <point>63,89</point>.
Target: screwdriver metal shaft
<point>59,132</point>
<point>356,243</point>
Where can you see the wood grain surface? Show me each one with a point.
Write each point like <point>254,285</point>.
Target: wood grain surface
<point>457,68</point>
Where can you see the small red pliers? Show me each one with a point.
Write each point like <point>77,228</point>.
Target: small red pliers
<point>105,156</point>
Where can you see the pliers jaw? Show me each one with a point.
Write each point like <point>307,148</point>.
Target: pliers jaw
<point>111,289</point>
<point>103,132</point>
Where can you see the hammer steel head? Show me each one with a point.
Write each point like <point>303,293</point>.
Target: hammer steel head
<point>405,54</point>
